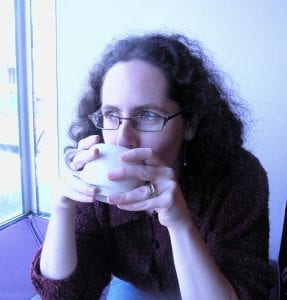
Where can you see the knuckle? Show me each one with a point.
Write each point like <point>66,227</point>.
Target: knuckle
<point>76,164</point>
<point>150,151</point>
<point>171,197</point>
<point>87,142</point>
<point>173,186</point>
<point>168,200</point>
<point>123,170</point>
<point>81,144</point>
<point>144,191</point>
<point>168,173</point>
<point>145,171</point>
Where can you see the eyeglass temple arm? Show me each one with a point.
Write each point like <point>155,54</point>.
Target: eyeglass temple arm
<point>175,114</point>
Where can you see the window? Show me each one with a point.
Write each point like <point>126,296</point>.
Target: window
<point>10,188</point>
<point>28,107</point>
<point>45,99</point>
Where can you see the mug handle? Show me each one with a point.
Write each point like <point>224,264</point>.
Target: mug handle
<point>68,158</point>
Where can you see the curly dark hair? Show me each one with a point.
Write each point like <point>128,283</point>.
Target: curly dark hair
<point>193,82</point>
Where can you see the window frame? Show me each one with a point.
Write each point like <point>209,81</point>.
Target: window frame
<point>24,81</point>
<point>25,105</point>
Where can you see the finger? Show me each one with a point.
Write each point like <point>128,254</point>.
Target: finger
<point>144,205</point>
<point>140,194</point>
<point>88,142</point>
<point>142,155</point>
<point>137,206</point>
<point>135,200</point>
<point>84,156</point>
<point>77,190</point>
<point>137,195</point>
<point>140,172</point>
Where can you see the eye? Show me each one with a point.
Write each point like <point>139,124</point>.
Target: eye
<point>148,115</point>
<point>110,114</point>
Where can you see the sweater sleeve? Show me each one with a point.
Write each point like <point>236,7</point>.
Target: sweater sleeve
<point>237,230</point>
<point>93,269</point>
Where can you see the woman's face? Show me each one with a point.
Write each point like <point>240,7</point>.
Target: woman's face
<point>138,88</point>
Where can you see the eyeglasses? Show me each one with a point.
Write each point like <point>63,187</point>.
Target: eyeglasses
<point>148,121</point>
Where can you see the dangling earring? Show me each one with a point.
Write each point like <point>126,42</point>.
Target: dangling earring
<point>184,154</point>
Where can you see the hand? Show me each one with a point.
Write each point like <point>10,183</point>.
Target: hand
<point>168,202</point>
<point>70,187</point>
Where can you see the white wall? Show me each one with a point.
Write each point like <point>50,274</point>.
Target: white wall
<point>246,38</point>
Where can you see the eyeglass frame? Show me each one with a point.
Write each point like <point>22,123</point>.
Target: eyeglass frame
<point>165,120</point>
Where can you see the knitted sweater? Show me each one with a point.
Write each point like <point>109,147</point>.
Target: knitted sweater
<point>232,217</point>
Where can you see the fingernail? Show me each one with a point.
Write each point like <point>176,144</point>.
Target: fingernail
<point>111,175</point>
<point>116,198</point>
<point>93,189</point>
<point>124,157</point>
<point>111,199</point>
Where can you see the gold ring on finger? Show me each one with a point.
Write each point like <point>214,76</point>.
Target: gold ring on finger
<point>152,190</point>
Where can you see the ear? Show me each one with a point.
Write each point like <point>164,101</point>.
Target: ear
<point>189,132</point>
<point>190,129</point>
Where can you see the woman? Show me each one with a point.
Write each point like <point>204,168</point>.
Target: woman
<point>199,228</point>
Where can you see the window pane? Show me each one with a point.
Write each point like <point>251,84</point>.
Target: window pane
<point>45,99</point>
<point>10,175</point>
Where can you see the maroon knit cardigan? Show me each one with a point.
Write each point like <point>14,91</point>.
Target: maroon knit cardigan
<point>232,217</point>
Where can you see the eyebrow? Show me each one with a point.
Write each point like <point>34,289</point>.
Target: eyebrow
<point>136,108</point>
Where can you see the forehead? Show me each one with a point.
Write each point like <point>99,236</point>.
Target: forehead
<point>134,83</point>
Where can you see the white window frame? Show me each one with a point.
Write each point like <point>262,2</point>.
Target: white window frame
<point>25,105</point>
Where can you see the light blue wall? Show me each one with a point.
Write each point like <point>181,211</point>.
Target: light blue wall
<point>246,38</point>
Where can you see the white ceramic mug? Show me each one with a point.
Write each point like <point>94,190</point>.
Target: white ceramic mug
<point>95,171</point>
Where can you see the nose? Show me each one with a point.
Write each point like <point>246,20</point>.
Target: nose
<point>127,135</point>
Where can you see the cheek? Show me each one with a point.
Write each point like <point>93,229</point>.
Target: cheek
<point>168,149</point>
<point>170,143</point>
